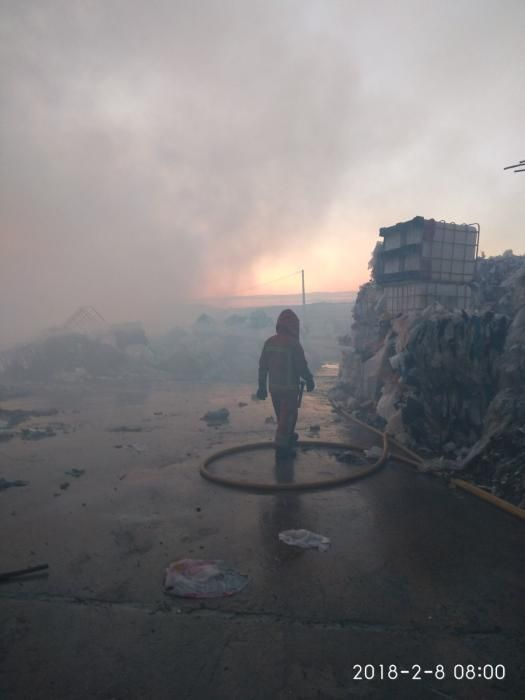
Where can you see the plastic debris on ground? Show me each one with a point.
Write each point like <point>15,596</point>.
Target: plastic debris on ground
<point>349,457</point>
<point>125,429</point>
<point>203,578</point>
<point>139,449</point>
<point>76,473</point>
<point>6,434</point>
<point>305,539</point>
<point>216,417</point>
<point>10,418</point>
<point>36,433</point>
<point>374,452</point>
<point>5,484</point>
<point>439,464</point>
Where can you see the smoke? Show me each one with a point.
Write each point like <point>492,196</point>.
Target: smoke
<point>152,152</point>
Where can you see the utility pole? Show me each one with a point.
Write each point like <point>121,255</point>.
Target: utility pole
<point>305,327</point>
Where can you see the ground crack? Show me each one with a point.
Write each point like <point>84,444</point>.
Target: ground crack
<point>263,616</point>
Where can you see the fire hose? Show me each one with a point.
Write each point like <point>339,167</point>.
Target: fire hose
<point>391,448</point>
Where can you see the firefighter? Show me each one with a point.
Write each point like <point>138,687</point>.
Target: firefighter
<point>283,360</point>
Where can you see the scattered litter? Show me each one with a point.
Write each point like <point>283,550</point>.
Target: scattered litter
<point>439,464</point>
<point>349,457</point>
<point>374,452</point>
<point>125,429</point>
<point>5,484</point>
<point>270,420</point>
<point>9,418</point>
<point>216,417</point>
<point>75,473</point>
<point>8,575</point>
<point>132,446</point>
<point>65,485</point>
<point>305,539</point>
<point>36,433</point>
<point>241,404</point>
<point>203,578</point>
<point>315,428</point>
<point>138,448</point>
<point>158,413</point>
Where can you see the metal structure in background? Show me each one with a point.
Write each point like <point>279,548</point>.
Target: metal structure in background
<point>517,168</point>
<point>86,318</point>
<point>423,261</point>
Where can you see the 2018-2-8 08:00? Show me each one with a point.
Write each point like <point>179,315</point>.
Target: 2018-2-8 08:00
<point>439,672</point>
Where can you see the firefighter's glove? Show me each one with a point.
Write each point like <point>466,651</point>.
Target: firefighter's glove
<point>310,384</point>
<point>261,393</point>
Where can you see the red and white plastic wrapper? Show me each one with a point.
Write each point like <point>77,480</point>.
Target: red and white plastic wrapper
<point>203,578</point>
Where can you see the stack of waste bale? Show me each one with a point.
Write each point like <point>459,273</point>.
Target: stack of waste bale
<point>496,460</point>
<point>452,382</point>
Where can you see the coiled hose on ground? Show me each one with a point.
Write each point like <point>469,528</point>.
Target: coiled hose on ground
<point>390,448</point>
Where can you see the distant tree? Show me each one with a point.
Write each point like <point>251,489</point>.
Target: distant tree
<point>508,253</point>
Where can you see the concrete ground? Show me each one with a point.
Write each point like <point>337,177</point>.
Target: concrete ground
<point>418,575</point>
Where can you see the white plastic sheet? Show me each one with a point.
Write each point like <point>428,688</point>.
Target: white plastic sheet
<point>305,539</point>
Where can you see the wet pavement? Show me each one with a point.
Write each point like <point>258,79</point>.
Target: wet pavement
<point>418,575</point>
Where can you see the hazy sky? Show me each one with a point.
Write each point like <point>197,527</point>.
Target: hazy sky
<point>155,151</point>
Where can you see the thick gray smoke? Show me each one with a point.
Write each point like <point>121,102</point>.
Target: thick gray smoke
<point>154,151</point>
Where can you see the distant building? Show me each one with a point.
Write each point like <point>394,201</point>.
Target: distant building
<point>423,261</point>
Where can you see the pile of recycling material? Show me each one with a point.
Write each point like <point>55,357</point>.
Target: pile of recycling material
<point>222,345</point>
<point>226,346</point>
<point>449,383</point>
<point>66,354</point>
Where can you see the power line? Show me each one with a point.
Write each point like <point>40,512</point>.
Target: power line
<point>265,284</point>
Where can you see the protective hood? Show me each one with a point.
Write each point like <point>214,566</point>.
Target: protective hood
<point>288,322</point>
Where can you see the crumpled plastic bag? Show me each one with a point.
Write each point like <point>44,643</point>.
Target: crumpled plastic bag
<point>305,539</point>
<point>203,578</point>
